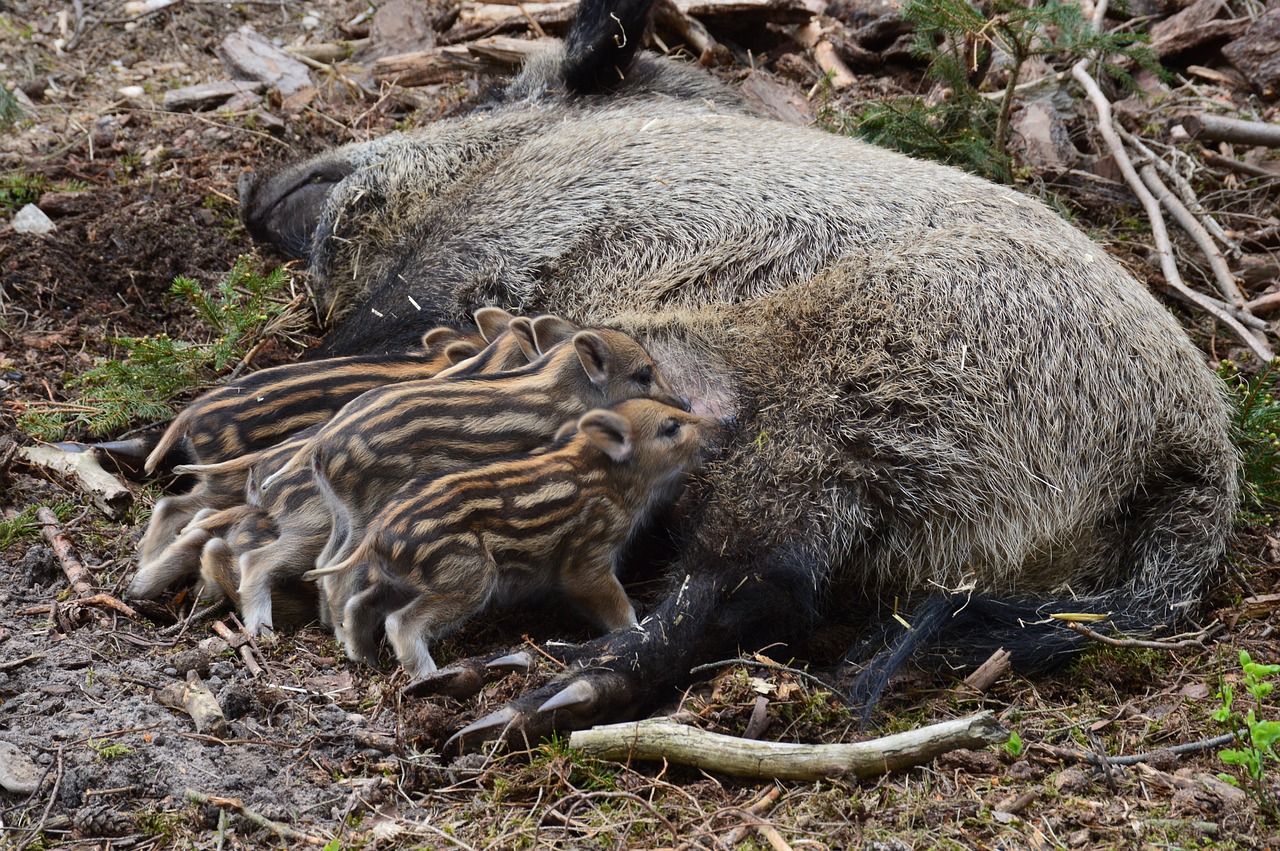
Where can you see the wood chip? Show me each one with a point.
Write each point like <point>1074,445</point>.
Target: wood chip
<point>84,470</point>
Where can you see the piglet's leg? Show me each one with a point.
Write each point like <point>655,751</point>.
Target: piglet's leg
<point>602,597</point>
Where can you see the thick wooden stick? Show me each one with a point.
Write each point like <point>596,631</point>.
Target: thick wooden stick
<point>1219,128</point>
<point>77,574</point>
<point>281,830</point>
<point>664,739</point>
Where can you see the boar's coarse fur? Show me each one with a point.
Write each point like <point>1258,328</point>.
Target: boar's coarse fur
<point>942,391</point>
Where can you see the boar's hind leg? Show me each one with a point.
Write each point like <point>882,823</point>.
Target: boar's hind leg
<point>721,605</point>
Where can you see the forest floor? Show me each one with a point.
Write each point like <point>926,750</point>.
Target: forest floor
<point>328,750</point>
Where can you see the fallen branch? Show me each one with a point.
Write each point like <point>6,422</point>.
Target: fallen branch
<point>77,574</point>
<point>104,489</point>
<point>1232,164</point>
<point>692,31</point>
<point>756,809</point>
<point>1197,641</point>
<point>1184,190</point>
<point>1158,232</point>
<point>99,601</point>
<point>1227,284</point>
<point>281,830</point>
<point>1265,304</point>
<point>242,643</point>
<point>11,664</point>
<point>1072,755</point>
<point>1218,128</point>
<point>664,739</point>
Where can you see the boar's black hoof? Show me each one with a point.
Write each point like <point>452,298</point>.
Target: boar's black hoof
<point>574,702</point>
<point>519,662</point>
<point>495,725</point>
<point>578,697</point>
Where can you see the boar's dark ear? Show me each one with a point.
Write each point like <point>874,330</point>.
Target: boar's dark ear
<point>285,210</point>
<point>491,321</point>
<point>608,430</point>
<point>602,43</point>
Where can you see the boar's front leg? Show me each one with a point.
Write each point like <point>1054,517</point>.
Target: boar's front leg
<point>722,603</point>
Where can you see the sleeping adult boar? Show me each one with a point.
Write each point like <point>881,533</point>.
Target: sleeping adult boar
<point>942,391</point>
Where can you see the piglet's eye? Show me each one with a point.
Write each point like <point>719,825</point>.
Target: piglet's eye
<point>670,428</point>
<point>644,376</point>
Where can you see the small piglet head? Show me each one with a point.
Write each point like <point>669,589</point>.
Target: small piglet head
<point>618,367</point>
<point>657,441</point>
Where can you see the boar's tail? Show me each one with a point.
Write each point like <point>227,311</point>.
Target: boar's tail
<point>602,43</point>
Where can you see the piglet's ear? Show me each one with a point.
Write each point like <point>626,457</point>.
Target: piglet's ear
<point>460,351</point>
<point>438,338</point>
<point>594,353</point>
<point>521,328</point>
<point>609,431</point>
<point>491,321</point>
<point>550,330</point>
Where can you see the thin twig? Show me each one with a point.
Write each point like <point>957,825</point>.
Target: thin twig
<point>1158,231</point>
<point>1183,187</point>
<point>1197,641</point>
<point>53,796</point>
<point>773,665</point>
<point>281,830</point>
<point>1227,284</point>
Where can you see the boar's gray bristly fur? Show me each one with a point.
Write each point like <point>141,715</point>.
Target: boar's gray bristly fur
<point>939,386</point>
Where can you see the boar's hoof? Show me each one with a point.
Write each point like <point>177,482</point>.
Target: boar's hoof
<point>519,662</point>
<point>579,697</point>
<point>492,726</point>
<point>459,681</point>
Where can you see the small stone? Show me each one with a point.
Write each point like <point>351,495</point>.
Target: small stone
<point>249,56</point>
<point>31,219</point>
<point>1071,781</point>
<point>132,92</point>
<point>18,774</point>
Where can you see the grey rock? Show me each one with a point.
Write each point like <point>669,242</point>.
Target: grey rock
<point>18,774</point>
<point>31,219</point>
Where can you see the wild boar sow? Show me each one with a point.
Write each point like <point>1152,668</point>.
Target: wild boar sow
<point>940,391</point>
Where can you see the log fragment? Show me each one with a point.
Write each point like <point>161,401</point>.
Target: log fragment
<point>194,698</point>
<point>1220,128</point>
<point>744,11</point>
<point>85,470</point>
<point>664,739</point>
<point>496,54</point>
<point>1256,54</point>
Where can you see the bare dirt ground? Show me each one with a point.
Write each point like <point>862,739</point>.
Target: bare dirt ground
<point>328,750</point>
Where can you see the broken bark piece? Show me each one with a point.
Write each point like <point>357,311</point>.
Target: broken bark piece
<point>496,16</point>
<point>445,64</point>
<point>1256,53</point>
<point>812,36</point>
<point>249,56</point>
<point>106,491</point>
<point>664,739</point>
<point>18,773</point>
<point>989,672</point>
<point>747,11</point>
<point>692,32</point>
<point>1192,27</point>
<point>206,95</point>
<point>194,698</point>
